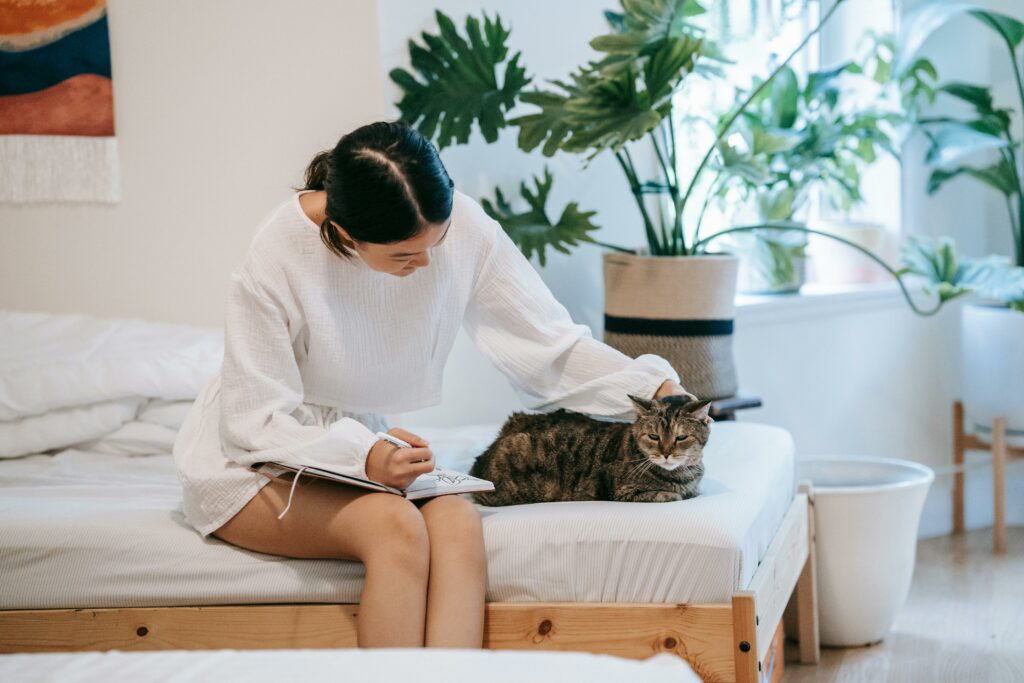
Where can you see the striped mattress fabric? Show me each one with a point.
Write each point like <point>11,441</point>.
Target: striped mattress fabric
<point>84,529</point>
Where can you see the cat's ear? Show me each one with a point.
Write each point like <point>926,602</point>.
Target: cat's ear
<point>643,404</point>
<point>700,410</point>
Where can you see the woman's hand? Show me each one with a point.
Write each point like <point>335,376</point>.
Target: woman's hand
<point>395,466</point>
<point>670,388</point>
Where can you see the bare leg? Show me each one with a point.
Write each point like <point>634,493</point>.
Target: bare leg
<point>458,573</point>
<point>387,533</point>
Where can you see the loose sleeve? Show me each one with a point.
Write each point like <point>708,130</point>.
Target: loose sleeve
<point>551,361</point>
<point>261,389</point>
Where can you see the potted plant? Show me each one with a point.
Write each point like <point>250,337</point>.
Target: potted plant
<point>794,138</point>
<point>981,146</point>
<point>608,106</point>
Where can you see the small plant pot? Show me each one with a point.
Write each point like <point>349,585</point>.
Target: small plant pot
<point>866,516</point>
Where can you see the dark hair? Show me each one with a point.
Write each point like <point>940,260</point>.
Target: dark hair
<point>384,183</point>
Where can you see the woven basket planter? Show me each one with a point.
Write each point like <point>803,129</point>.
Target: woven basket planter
<point>679,308</point>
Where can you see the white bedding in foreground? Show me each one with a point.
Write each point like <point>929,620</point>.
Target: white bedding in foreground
<point>87,529</point>
<point>312,666</point>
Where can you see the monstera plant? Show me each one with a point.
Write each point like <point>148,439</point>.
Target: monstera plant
<point>615,105</point>
<point>611,105</point>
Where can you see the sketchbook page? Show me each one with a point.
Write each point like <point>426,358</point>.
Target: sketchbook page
<point>442,482</point>
<point>276,469</point>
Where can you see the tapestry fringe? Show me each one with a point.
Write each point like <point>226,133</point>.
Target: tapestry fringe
<point>44,168</point>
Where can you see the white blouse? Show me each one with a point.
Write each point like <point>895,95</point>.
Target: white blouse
<point>317,349</point>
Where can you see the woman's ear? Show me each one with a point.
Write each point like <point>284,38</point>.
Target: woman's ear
<point>349,242</point>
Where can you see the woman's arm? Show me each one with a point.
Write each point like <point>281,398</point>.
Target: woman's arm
<point>261,388</point>
<point>551,361</point>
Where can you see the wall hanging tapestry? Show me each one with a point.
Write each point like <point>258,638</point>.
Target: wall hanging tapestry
<point>56,102</point>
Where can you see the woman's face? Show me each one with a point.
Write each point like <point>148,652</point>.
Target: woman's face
<point>401,258</point>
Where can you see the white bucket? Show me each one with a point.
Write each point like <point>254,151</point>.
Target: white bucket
<point>866,515</point>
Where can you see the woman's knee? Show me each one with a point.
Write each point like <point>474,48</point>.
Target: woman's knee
<point>453,514</point>
<point>398,534</point>
<point>455,522</point>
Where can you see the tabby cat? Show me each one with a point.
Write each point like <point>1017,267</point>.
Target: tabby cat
<point>565,455</point>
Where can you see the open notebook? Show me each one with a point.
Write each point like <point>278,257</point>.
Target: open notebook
<point>440,482</point>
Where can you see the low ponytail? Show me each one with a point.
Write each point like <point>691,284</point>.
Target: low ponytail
<point>316,172</point>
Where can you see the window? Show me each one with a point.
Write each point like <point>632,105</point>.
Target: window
<point>757,35</point>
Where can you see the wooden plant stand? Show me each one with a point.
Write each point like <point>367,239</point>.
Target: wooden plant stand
<point>1000,454</point>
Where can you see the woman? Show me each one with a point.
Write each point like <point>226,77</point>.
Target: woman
<point>345,309</point>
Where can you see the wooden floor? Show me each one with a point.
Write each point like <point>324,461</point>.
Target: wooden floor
<point>963,621</point>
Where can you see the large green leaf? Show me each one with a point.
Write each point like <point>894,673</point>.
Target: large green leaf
<point>628,92</point>
<point>1011,30</point>
<point>742,164</point>
<point>777,204</point>
<point>599,109</point>
<point>784,98</point>
<point>531,229</point>
<point>458,81</point>
<point>936,263</point>
<point>643,24</point>
<point>1001,176</point>
<point>976,95</point>
<point>954,140</point>
<point>819,81</point>
<point>924,20</point>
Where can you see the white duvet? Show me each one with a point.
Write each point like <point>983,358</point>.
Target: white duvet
<point>118,386</point>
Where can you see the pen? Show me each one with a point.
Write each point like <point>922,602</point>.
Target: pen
<point>393,439</point>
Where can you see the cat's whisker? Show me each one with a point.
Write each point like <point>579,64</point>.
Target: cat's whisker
<point>641,469</point>
<point>639,466</point>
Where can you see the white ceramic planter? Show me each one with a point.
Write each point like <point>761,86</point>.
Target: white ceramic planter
<point>992,344</point>
<point>866,515</point>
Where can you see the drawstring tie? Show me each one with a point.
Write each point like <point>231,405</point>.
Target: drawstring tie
<point>291,493</point>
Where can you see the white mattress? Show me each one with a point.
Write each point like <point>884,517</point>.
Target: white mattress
<point>397,665</point>
<point>85,529</point>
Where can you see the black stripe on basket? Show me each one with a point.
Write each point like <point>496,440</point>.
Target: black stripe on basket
<point>674,328</point>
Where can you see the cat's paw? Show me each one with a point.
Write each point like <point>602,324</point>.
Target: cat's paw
<point>666,497</point>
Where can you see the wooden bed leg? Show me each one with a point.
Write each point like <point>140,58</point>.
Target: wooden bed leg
<point>744,632</point>
<point>805,598</point>
<point>958,472</point>
<point>999,484</point>
<point>807,610</point>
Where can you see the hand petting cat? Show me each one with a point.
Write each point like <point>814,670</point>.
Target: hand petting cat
<point>670,388</point>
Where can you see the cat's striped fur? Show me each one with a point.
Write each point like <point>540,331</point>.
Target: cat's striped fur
<point>565,456</point>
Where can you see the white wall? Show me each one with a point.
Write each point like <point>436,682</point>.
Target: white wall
<point>219,106</point>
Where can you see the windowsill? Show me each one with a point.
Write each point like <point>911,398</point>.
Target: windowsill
<point>815,301</point>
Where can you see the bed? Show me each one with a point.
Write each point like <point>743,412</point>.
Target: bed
<point>96,555</point>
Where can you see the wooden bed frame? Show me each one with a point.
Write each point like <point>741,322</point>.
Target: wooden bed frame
<point>722,642</point>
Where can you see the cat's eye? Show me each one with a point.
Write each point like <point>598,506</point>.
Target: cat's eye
<point>682,438</point>
<point>652,437</point>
